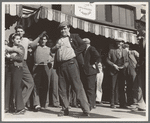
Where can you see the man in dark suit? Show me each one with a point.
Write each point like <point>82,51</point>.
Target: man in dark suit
<point>68,50</point>
<point>131,72</point>
<point>117,60</point>
<point>91,59</point>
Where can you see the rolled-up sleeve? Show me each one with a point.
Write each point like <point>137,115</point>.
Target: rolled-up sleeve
<point>20,56</point>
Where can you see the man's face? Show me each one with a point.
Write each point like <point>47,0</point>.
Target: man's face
<point>119,44</point>
<point>20,31</point>
<point>127,49</point>
<point>44,40</point>
<point>64,31</point>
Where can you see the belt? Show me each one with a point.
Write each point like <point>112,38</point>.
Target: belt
<point>40,64</point>
<point>66,60</point>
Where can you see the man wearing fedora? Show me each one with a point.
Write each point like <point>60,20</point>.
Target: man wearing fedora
<point>131,72</point>
<point>69,48</point>
<point>91,59</point>
<point>118,61</point>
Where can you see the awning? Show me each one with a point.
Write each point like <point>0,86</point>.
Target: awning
<point>13,9</point>
<point>97,29</point>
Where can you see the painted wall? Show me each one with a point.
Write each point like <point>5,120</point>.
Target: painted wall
<point>122,16</point>
<point>10,31</point>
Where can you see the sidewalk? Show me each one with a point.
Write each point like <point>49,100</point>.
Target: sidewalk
<point>101,113</point>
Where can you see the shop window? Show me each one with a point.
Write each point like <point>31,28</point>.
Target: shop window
<point>108,13</point>
<point>123,16</point>
<point>56,7</point>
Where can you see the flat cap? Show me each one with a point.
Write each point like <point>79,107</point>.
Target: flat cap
<point>63,24</point>
<point>86,40</point>
<point>119,40</point>
<point>126,46</point>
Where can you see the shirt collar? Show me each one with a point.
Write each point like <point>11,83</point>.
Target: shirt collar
<point>87,47</point>
<point>66,36</point>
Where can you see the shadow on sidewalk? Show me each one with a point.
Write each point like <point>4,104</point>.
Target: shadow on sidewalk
<point>132,112</point>
<point>77,114</point>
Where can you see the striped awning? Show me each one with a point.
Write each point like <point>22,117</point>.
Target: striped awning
<point>13,9</point>
<point>97,29</point>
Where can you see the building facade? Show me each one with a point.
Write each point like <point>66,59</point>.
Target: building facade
<point>112,21</point>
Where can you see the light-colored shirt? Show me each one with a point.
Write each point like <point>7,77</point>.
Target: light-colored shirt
<point>25,43</point>
<point>42,55</point>
<point>119,53</point>
<point>65,52</point>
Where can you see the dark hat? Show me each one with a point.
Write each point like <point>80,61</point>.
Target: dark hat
<point>86,40</point>
<point>119,40</point>
<point>63,24</point>
<point>126,46</point>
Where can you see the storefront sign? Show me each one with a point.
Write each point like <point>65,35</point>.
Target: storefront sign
<point>85,11</point>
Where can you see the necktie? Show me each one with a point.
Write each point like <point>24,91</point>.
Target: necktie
<point>119,53</point>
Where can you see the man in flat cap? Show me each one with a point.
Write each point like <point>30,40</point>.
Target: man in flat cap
<point>91,59</point>
<point>117,60</point>
<point>69,48</point>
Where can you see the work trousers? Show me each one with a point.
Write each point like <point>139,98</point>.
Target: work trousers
<point>118,88</point>
<point>130,79</point>
<point>28,83</point>
<point>13,88</point>
<point>99,90</point>
<point>68,73</point>
<point>139,88</point>
<point>41,75</point>
<point>54,88</point>
<point>90,89</point>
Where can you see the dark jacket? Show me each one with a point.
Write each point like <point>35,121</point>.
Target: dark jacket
<point>112,58</point>
<point>91,57</point>
<point>78,45</point>
<point>133,56</point>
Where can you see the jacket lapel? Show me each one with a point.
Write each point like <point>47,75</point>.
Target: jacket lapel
<point>133,58</point>
<point>85,53</point>
<point>123,53</point>
<point>71,38</point>
<point>116,54</point>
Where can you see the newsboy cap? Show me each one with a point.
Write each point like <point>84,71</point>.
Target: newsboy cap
<point>86,40</point>
<point>126,46</point>
<point>63,24</point>
<point>120,40</point>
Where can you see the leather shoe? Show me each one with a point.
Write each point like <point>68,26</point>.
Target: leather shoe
<point>20,112</point>
<point>86,114</point>
<point>123,106</point>
<point>112,106</point>
<point>37,108</point>
<point>141,109</point>
<point>57,106</point>
<point>98,102</point>
<point>7,111</point>
<point>94,107</point>
<point>63,113</point>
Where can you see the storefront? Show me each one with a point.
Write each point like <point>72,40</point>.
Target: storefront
<point>102,35</point>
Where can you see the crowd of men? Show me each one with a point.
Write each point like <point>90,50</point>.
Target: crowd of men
<point>73,69</point>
